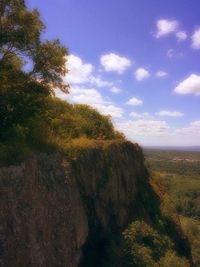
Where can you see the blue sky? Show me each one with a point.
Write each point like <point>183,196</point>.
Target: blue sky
<point>136,60</point>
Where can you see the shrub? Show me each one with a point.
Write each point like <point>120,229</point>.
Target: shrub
<point>146,247</point>
<point>172,260</point>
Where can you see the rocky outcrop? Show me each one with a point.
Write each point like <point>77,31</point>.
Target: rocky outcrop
<point>52,207</point>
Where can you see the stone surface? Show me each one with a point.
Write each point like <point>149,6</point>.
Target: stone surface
<point>50,207</point>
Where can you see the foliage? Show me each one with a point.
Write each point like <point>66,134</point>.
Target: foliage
<point>50,124</point>
<point>180,174</point>
<point>23,93</point>
<point>172,260</point>
<point>67,122</point>
<point>191,228</point>
<point>20,38</point>
<point>73,121</point>
<point>19,101</point>
<point>99,126</point>
<point>31,117</point>
<point>145,246</point>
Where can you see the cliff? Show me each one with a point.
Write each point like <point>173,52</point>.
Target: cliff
<point>59,212</point>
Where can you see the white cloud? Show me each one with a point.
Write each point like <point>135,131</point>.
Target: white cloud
<point>143,115</point>
<point>190,85</point>
<point>82,95</point>
<point>181,35</point>
<point>115,112</point>
<point>92,97</point>
<point>168,113</point>
<point>195,124</point>
<point>115,90</point>
<point>196,39</point>
<point>99,82</point>
<point>83,73</point>
<point>142,127</point>
<point>82,82</point>
<point>161,73</point>
<point>171,53</point>
<point>193,130</point>
<point>141,74</point>
<point>115,63</point>
<point>134,102</point>
<point>165,27</point>
<point>79,72</point>
<point>158,132</point>
<point>85,96</point>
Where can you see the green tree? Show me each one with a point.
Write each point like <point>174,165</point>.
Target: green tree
<point>172,260</point>
<point>146,247</point>
<point>20,40</point>
<point>23,90</point>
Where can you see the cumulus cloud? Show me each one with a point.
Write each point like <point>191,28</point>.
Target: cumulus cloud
<point>181,35</point>
<point>193,130</point>
<point>161,73</point>
<point>190,85</point>
<point>79,72</point>
<point>165,27</point>
<point>83,73</point>
<point>195,124</point>
<point>167,113</point>
<point>158,132</point>
<point>115,63</point>
<point>143,115</point>
<point>83,87</point>
<point>196,39</point>
<point>141,74</point>
<point>112,110</point>
<point>92,97</point>
<point>99,82</point>
<point>115,90</point>
<point>144,127</point>
<point>85,96</point>
<point>134,102</point>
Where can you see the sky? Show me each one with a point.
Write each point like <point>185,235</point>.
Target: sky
<point>135,60</point>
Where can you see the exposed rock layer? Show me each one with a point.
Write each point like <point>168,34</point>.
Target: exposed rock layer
<point>51,207</point>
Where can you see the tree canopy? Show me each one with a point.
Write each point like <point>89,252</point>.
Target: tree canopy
<point>30,67</point>
<point>21,41</point>
<point>31,117</point>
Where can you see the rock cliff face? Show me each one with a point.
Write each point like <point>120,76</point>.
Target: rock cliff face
<point>53,210</point>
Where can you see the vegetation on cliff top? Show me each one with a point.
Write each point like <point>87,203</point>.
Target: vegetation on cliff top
<point>31,117</point>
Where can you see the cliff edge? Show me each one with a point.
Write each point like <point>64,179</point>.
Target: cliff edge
<point>56,211</point>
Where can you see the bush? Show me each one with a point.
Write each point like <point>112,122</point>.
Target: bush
<point>146,247</point>
<point>50,123</point>
<point>172,260</point>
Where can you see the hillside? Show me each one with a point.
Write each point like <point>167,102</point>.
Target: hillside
<point>57,211</point>
<point>180,175</point>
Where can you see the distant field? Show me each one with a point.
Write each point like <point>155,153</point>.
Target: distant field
<point>175,148</point>
<point>185,163</point>
<point>180,173</point>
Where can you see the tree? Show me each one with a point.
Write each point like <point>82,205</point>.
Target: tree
<point>145,246</point>
<point>22,91</point>
<point>20,41</point>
